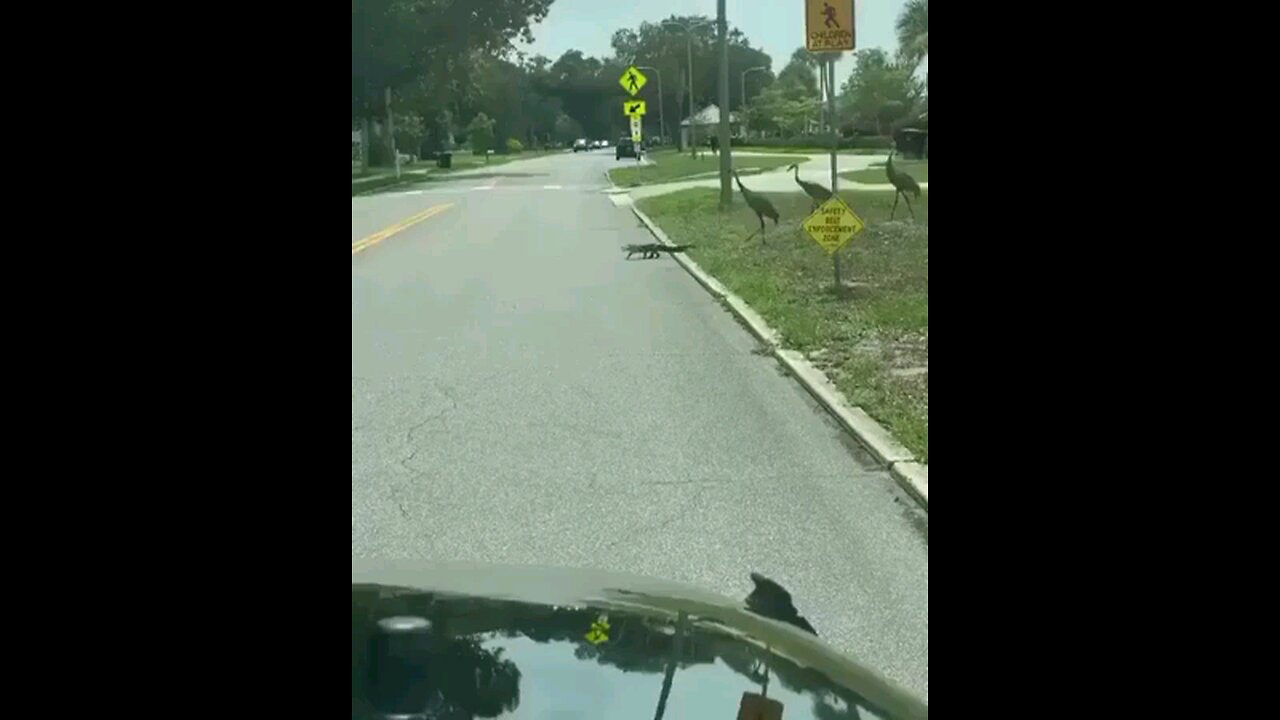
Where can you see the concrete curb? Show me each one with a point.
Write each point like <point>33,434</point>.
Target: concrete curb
<point>910,474</point>
<point>377,185</point>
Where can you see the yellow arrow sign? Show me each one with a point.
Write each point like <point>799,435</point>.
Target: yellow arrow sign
<point>599,631</point>
<point>833,225</point>
<point>633,80</point>
<point>633,108</point>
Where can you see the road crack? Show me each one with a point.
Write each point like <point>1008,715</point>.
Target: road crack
<point>410,436</point>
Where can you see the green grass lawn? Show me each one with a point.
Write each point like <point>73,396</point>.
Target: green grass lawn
<point>380,177</point>
<point>808,151</point>
<point>872,339</point>
<point>670,166</point>
<point>917,170</point>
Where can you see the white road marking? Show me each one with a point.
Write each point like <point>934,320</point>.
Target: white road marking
<point>552,187</point>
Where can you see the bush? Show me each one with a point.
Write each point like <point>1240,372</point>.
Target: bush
<point>514,146</point>
<point>480,135</point>
<point>873,142</point>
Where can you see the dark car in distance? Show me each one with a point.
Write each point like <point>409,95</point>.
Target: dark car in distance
<point>626,148</point>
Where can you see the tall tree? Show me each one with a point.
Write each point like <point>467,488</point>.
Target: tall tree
<point>913,31</point>
<point>801,73</point>
<point>395,43</point>
<point>880,92</point>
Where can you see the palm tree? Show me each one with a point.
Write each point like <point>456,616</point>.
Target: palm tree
<point>913,31</point>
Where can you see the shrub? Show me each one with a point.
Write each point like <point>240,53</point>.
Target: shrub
<point>514,146</point>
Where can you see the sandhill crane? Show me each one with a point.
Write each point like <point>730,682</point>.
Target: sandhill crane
<point>761,205</point>
<point>819,193</point>
<point>904,185</point>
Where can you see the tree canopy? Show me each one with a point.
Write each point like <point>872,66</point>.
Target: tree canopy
<point>447,62</point>
<point>880,93</point>
<point>913,31</point>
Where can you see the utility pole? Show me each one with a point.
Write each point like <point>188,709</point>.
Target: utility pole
<point>726,145</point>
<point>391,131</point>
<point>693,127</point>
<point>743,109</point>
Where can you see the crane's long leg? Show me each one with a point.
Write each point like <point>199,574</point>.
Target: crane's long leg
<point>913,210</point>
<point>757,232</point>
<point>896,196</point>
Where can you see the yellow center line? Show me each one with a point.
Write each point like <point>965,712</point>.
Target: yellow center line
<point>364,244</point>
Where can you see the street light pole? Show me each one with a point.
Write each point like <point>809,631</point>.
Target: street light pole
<point>662,113</point>
<point>688,30</point>
<point>693,127</point>
<point>744,93</point>
<point>725,141</point>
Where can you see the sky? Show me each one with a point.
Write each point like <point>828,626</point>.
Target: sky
<point>776,26</point>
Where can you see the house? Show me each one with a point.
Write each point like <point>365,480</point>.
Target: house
<point>706,123</point>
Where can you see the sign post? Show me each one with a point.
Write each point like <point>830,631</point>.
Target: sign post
<point>662,112</point>
<point>633,81</point>
<point>829,28</point>
<point>835,153</point>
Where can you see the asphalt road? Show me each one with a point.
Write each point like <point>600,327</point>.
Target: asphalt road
<point>522,394</point>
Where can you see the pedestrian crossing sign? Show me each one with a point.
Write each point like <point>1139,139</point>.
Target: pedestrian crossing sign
<point>633,80</point>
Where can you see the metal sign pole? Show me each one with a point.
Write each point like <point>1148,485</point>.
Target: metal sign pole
<point>835,151</point>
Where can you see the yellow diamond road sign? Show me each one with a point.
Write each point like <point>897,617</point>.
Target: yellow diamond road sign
<point>633,80</point>
<point>633,108</point>
<point>833,225</point>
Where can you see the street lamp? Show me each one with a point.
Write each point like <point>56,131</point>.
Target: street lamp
<point>662,113</point>
<point>758,68</point>
<point>688,29</point>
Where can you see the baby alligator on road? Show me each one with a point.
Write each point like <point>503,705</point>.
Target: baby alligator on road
<point>653,250</point>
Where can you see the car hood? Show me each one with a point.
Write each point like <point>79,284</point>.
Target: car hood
<point>464,641</point>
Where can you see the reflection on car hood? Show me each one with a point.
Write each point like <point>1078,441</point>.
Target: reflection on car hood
<point>462,641</point>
